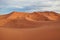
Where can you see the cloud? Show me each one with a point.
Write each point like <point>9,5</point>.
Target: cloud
<point>29,5</point>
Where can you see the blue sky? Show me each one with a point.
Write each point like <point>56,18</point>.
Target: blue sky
<point>7,6</point>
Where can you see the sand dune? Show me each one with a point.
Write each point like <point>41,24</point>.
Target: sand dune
<point>30,26</point>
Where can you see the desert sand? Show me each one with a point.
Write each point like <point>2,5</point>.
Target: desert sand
<point>30,26</point>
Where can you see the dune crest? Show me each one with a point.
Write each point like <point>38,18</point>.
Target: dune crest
<point>17,15</point>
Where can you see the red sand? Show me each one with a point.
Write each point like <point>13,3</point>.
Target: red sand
<point>30,26</point>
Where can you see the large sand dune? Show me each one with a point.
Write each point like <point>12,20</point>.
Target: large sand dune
<point>30,26</point>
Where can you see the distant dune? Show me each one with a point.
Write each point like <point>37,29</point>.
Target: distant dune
<point>30,26</point>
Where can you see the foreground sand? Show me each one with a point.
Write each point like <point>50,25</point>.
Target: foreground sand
<point>47,33</point>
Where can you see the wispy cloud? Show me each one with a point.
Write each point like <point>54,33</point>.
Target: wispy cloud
<point>7,6</point>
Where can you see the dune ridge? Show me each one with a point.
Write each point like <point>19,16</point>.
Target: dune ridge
<point>24,19</point>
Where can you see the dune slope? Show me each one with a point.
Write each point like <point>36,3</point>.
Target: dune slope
<point>30,26</point>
